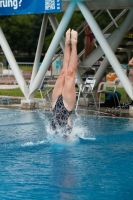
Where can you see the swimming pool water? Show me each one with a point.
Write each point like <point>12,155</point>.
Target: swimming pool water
<point>36,164</point>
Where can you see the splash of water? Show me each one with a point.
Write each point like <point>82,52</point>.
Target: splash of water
<point>79,131</point>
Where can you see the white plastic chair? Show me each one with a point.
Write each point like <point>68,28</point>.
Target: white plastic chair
<point>86,89</point>
<point>103,88</point>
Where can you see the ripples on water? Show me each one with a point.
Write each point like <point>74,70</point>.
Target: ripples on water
<point>96,162</point>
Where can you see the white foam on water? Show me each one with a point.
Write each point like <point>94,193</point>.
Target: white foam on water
<point>79,131</point>
<point>33,143</point>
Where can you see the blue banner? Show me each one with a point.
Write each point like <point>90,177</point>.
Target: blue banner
<point>21,7</point>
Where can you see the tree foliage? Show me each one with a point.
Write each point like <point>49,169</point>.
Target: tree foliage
<point>22,32</point>
<point>16,30</point>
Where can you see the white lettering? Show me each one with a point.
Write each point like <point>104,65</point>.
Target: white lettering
<point>1,3</point>
<point>20,1</point>
<point>15,4</point>
<point>5,3</point>
<point>10,3</point>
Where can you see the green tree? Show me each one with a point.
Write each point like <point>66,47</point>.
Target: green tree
<point>16,30</point>
<point>35,27</point>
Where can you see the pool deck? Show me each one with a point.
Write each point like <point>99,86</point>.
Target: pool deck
<point>15,103</point>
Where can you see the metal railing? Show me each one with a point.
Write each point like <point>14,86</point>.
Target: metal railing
<point>107,27</point>
<point>113,22</point>
<point>1,69</point>
<point>29,64</point>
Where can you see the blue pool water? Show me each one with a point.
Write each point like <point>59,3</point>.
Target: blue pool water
<point>36,164</point>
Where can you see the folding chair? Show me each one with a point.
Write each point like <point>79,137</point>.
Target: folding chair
<point>103,88</point>
<point>86,89</point>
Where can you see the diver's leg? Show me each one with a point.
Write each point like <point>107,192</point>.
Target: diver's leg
<point>60,81</point>
<point>69,93</point>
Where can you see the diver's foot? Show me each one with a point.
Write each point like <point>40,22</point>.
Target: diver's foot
<point>68,36</point>
<point>74,36</point>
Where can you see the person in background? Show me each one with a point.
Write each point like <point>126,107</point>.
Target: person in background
<point>64,93</point>
<point>88,41</point>
<point>130,74</point>
<point>89,46</point>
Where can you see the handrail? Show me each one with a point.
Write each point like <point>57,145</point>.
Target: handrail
<point>104,30</point>
<point>107,27</point>
<point>116,19</point>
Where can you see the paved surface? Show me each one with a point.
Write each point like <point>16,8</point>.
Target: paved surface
<point>9,86</point>
<point>9,79</point>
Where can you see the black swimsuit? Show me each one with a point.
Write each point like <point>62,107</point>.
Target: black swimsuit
<point>90,35</point>
<point>60,117</point>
